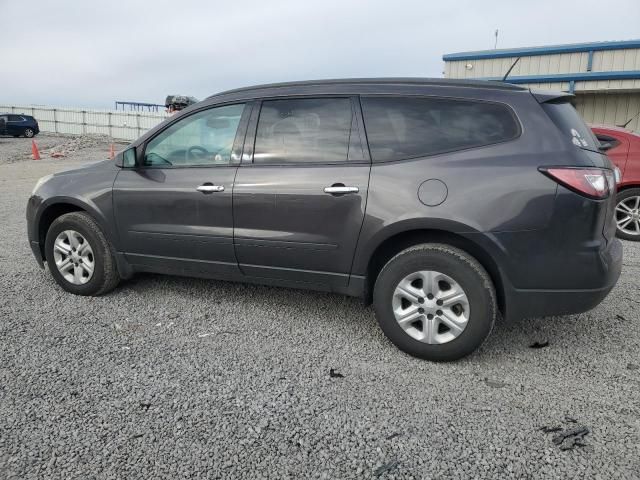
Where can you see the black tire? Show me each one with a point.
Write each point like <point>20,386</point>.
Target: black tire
<point>105,274</point>
<point>622,196</point>
<point>462,268</point>
<point>29,133</point>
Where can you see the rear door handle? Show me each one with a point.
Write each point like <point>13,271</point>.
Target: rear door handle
<point>340,189</point>
<point>210,188</point>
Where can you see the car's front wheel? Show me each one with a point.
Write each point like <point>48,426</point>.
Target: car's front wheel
<point>628,214</point>
<point>435,302</point>
<point>79,256</point>
<point>29,132</point>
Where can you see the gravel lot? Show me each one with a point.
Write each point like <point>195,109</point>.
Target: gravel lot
<point>78,148</point>
<point>172,377</point>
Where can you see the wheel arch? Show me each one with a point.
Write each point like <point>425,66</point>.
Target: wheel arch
<point>628,186</point>
<point>397,242</point>
<point>57,207</point>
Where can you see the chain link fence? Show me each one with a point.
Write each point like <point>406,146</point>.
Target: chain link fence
<point>116,124</point>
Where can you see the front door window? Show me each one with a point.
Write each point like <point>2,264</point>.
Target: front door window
<point>202,139</point>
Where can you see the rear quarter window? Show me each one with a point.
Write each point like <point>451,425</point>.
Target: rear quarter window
<point>409,127</point>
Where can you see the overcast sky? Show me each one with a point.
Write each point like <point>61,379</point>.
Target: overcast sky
<point>90,53</point>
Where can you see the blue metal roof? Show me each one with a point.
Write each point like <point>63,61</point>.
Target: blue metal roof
<point>548,50</point>
<point>568,77</point>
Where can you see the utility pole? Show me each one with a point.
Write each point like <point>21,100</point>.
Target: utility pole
<point>495,45</point>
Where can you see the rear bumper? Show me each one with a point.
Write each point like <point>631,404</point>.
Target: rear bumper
<point>523,303</point>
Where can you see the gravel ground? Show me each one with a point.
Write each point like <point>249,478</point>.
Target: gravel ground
<point>170,377</point>
<point>79,147</point>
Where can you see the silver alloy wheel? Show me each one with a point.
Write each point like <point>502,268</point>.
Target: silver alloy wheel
<point>431,307</point>
<point>29,133</point>
<point>628,215</point>
<point>74,257</point>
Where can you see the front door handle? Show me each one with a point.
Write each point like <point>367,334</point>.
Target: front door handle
<point>210,188</point>
<point>340,189</point>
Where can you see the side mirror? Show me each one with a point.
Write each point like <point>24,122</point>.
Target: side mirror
<point>127,159</point>
<point>604,146</point>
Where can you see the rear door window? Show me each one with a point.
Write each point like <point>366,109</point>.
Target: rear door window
<point>409,127</point>
<point>571,124</point>
<point>304,130</point>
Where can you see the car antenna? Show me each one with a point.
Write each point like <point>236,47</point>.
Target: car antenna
<point>624,125</point>
<point>510,68</point>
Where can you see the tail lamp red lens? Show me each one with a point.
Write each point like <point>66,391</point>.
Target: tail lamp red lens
<point>596,183</point>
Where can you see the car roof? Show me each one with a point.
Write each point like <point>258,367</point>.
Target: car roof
<point>390,82</point>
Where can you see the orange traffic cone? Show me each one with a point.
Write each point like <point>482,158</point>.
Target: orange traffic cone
<point>112,152</point>
<point>34,150</point>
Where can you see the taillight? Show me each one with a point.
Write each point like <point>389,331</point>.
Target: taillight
<point>594,183</point>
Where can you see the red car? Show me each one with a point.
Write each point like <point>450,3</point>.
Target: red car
<point>623,148</point>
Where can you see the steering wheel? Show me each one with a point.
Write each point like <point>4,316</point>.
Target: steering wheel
<point>201,154</point>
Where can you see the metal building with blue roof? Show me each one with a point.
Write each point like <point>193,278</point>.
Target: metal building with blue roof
<point>604,76</point>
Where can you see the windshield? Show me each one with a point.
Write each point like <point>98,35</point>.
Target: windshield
<point>569,121</point>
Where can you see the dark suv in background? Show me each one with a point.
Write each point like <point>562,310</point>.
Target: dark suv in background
<point>18,125</point>
<point>442,202</point>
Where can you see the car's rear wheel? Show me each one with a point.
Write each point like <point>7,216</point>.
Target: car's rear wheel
<point>79,256</point>
<point>628,214</point>
<point>435,302</point>
<point>29,132</point>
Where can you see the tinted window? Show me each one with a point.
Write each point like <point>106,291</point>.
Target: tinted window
<point>303,130</point>
<point>571,124</point>
<point>406,127</point>
<point>15,118</point>
<point>204,138</point>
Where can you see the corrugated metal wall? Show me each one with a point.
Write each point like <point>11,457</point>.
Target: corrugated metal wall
<point>603,61</point>
<point>610,109</point>
<point>115,123</point>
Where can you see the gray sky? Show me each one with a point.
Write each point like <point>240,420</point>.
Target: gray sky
<point>90,53</point>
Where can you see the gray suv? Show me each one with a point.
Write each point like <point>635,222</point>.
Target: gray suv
<point>441,202</point>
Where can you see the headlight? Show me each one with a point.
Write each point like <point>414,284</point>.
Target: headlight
<point>40,182</point>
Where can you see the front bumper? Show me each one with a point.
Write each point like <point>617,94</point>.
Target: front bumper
<point>525,303</point>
